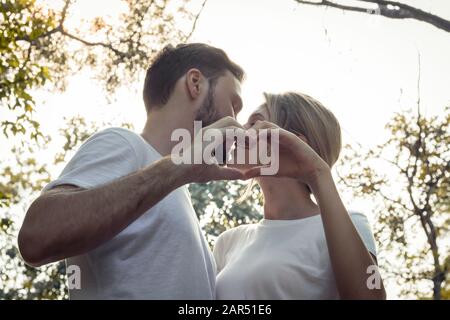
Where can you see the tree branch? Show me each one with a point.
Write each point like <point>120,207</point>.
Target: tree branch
<point>196,19</point>
<point>60,29</point>
<point>333,5</point>
<point>388,9</point>
<point>93,44</point>
<point>64,12</point>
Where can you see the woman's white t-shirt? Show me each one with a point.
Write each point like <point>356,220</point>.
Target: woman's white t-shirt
<point>279,259</point>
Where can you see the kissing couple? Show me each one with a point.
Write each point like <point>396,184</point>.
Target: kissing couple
<point>121,216</point>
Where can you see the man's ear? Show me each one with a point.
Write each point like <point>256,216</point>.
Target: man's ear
<point>195,83</point>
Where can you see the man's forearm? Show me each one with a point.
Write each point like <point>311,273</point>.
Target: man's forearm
<point>64,224</point>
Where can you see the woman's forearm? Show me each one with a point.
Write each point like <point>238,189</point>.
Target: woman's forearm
<point>350,258</point>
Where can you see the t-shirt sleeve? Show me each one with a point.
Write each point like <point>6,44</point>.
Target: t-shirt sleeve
<point>218,253</point>
<point>104,157</point>
<point>221,247</point>
<point>365,232</point>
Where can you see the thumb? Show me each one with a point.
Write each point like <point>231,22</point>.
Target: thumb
<point>227,173</point>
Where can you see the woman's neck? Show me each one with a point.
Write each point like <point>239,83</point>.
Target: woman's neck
<point>286,199</point>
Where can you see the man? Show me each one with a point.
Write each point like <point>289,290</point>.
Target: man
<point>120,210</point>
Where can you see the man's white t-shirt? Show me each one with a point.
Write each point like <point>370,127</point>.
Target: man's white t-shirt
<point>161,255</point>
<point>279,259</point>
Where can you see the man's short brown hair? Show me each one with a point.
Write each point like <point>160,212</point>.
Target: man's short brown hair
<point>173,62</point>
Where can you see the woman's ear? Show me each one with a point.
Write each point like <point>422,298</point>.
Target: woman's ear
<point>195,83</point>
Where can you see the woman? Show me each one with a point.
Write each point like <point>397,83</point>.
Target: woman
<point>301,249</point>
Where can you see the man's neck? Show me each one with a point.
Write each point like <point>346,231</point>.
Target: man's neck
<point>159,128</point>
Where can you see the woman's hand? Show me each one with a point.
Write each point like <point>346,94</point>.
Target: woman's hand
<point>296,159</point>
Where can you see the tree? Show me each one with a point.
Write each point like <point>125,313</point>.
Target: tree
<point>408,178</point>
<point>388,9</point>
<point>38,48</point>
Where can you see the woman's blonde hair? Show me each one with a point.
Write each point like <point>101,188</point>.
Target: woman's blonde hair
<point>307,117</point>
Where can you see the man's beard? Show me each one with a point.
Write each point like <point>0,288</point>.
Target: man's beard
<point>207,113</point>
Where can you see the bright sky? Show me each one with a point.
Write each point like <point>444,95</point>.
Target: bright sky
<point>362,67</point>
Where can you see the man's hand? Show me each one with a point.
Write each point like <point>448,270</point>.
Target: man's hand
<point>214,152</point>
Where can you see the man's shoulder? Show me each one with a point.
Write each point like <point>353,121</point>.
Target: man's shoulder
<point>106,155</point>
<point>121,136</point>
<point>112,134</point>
<point>126,134</point>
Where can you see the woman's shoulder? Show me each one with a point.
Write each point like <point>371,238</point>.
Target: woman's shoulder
<point>360,220</point>
<point>235,232</point>
<point>357,213</point>
<point>362,225</point>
